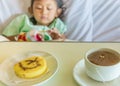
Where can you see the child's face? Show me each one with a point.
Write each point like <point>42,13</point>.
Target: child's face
<point>44,11</point>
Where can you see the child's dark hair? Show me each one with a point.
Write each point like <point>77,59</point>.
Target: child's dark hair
<point>59,3</point>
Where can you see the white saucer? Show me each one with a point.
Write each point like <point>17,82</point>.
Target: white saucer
<point>8,76</point>
<point>83,80</point>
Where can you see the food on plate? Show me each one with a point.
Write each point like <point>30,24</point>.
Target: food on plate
<point>31,67</point>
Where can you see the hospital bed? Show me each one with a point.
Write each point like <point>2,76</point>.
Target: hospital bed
<point>86,20</point>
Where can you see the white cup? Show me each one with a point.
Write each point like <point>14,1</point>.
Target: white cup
<point>102,73</point>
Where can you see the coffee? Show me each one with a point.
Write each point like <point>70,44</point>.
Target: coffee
<point>103,58</point>
<point>102,64</point>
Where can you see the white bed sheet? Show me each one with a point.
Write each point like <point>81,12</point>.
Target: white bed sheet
<point>78,17</point>
<point>106,18</point>
<point>87,20</point>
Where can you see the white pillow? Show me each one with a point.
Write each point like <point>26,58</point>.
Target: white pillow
<point>10,9</point>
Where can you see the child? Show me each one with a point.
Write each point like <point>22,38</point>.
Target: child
<point>43,25</point>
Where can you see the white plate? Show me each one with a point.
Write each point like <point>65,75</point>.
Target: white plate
<point>8,76</point>
<point>83,80</point>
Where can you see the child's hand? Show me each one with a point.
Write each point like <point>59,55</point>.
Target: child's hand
<point>54,33</point>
